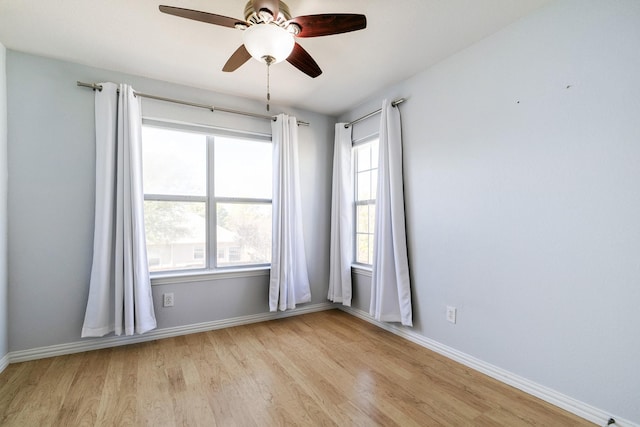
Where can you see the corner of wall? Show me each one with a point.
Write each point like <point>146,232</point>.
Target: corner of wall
<point>4,330</point>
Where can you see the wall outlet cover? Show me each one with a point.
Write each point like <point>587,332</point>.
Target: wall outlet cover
<point>167,300</point>
<point>451,314</point>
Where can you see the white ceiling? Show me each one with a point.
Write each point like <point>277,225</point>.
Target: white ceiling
<point>402,38</point>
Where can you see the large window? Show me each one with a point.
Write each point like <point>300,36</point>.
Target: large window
<point>366,178</point>
<point>207,199</point>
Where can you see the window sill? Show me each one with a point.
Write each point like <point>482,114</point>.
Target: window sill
<point>206,276</point>
<point>361,269</point>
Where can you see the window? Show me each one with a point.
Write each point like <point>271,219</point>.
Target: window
<point>234,254</point>
<point>198,253</point>
<point>366,178</point>
<point>207,199</point>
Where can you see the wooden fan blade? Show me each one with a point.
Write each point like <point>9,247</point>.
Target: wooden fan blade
<point>196,15</point>
<point>300,59</point>
<point>239,57</point>
<point>328,24</point>
<point>272,6</point>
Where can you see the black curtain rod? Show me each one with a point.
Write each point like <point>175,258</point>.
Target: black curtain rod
<point>211,108</point>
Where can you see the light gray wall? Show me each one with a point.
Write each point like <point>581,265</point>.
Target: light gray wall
<point>522,172</point>
<point>4,340</point>
<point>51,191</point>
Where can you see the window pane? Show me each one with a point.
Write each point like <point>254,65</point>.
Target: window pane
<point>365,224</point>
<point>362,218</point>
<point>363,182</point>
<point>372,218</point>
<point>374,184</point>
<point>362,249</point>
<point>374,154</point>
<point>243,234</point>
<point>176,235</point>
<point>242,168</point>
<point>363,156</point>
<point>175,162</point>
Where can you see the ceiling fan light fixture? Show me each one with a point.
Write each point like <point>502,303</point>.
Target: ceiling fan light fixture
<point>269,32</point>
<point>268,40</point>
<point>293,28</point>
<point>265,16</point>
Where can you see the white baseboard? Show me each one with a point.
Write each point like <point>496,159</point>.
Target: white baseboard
<point>560,400</point>
<point>113,341</point>
<point>4,362</point>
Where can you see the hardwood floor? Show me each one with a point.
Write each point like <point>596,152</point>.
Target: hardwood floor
<point>326,368</point>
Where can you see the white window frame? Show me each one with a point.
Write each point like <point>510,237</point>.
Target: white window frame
<point>211,269</point>
<point>356,202</point>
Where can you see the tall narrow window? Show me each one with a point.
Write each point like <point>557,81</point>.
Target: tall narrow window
<point>366,178</point>
<point>207,200</point>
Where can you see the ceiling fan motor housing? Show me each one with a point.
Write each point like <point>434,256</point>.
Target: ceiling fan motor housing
<point>260,17</point>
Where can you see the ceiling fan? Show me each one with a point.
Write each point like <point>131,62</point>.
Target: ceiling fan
<point>269,32</point>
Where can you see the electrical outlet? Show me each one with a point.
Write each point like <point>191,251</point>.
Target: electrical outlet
<point>451,314</point>
<point>167,300</point>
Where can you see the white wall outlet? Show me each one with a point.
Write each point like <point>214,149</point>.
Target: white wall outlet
<point>451,314</point>
<point>167,300</point>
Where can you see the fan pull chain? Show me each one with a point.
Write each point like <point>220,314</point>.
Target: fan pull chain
<point>268,86</point>
<point>268,59</point>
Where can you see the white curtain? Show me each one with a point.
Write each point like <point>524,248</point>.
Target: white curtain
<point>120,297</point>
<point>341,250</point>
<point>390,287</point>
<point>289,283</point>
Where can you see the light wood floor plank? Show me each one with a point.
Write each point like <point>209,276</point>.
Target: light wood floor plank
<point>118,402</point>
<point>319,369</point>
